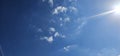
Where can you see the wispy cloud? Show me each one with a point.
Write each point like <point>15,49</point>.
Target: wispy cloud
<point>100,52</point>
<point>69,47</point>
<point>40,30</point>
<point>67,19</point>
<point>72,0</point>
<point>100,14</point>
<point>59,9</point>
<point>63,36</point>
<point>64,20</point>
<point>1,51</point>
<point>108,52</point>
<point>51,2</point>
<point>43,0</point>
<point>73,9</point>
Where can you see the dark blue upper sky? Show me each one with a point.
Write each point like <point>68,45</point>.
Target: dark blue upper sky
<point>59,28</point>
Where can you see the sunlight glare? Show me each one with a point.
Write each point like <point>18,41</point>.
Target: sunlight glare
<point>116,9</point>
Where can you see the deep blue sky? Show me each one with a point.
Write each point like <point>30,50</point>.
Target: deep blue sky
<point>25,28</point>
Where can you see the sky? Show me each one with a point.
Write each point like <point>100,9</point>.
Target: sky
<point>59,28</point>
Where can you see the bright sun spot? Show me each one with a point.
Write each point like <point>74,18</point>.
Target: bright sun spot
<point>116,9</point>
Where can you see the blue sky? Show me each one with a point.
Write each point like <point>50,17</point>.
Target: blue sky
<point>59,28</point>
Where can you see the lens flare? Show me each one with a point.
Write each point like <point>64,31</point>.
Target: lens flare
<point>116,9</point>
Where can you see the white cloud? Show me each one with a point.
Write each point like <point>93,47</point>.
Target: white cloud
<point>73,9</point>
<point>1,51</point>
<point>101,52</point>
<point>108,52</point>
<point>63,36</point>
<point>61,19</point>
<point>56,34</point>
<point>52,21</point>
<point>48,39</point>
<point>72,0</point>
<point>52,29</point>
<point>67,19</point>
<point>51,2</point>
<point>40,30</point>
<point>80,24</point>
<point>59,9</point>
<point>61,24</point>
<point>67,48</point>
<point>43,0</point>
<point>70,47</point>
<point>64,20</point>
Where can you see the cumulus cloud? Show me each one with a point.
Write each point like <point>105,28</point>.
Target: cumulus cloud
<point>48,39</point>
<point>60,9</point>
<point>56,34</point>
<point>52,29</point>
<point>51,38</point>
<point>52,35</point>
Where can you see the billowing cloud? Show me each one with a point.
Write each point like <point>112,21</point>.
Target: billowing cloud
<point>59,9</point>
